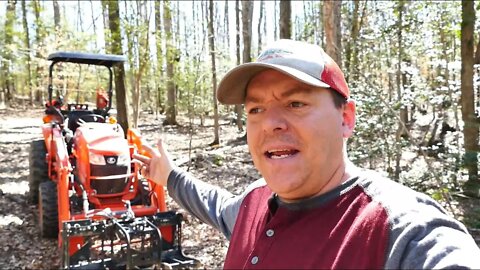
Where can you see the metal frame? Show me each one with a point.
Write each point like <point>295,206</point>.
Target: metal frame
<point>106,60</point>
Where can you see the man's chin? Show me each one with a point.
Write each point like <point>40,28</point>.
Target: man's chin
<point>281,184</point>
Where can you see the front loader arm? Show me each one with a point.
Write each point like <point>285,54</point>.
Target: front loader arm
<point>135,141</point>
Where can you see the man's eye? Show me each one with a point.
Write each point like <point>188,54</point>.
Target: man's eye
<point>296,104</point>
<point>254,110</point>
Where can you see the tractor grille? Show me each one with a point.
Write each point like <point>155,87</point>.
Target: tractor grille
<point>108,186</point>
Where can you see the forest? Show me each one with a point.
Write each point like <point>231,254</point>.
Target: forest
<point>412,67</point>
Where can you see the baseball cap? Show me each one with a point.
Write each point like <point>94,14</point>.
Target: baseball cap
<point>303,61</point>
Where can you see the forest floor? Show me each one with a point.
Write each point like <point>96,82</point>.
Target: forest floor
<point>228,166</point>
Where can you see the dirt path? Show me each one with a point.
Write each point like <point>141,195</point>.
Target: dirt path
<point>22,246</point>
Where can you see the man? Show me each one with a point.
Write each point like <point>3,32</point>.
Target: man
<point>313,208</point>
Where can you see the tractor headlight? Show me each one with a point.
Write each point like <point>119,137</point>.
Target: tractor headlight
<point>123,160</point>
<point>96,159</point>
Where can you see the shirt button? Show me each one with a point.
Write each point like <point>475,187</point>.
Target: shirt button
<point>270,232</point>
<point>254,260</point>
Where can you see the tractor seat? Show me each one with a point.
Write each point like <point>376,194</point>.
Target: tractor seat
<point>87,116</point>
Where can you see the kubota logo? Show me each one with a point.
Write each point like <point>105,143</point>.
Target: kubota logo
<point>111,160</point>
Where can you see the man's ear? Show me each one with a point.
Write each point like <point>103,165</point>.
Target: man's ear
<point>348,118</point>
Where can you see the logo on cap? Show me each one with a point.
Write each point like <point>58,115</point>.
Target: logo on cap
<point>273,53</point>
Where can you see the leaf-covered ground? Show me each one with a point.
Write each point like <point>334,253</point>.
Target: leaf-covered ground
<point>228,166</point>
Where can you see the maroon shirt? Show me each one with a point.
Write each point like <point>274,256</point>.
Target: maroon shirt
<point>368,222</point>
<point>347,232</point>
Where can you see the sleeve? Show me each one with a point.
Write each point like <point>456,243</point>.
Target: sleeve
<point>213,205</point>
<point>432,241</point>
<point>442,247</point>
<point>422,234</point>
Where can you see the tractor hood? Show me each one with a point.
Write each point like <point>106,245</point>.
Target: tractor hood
<point>102,138</point>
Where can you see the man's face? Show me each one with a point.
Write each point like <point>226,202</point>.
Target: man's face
<point>295,134</point>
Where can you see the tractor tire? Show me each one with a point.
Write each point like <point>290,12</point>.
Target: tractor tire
<point>38,168</point>
<point>48,209</point>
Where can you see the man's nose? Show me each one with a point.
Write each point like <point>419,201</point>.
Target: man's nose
<point>274,120</point>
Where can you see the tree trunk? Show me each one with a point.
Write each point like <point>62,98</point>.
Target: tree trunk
<point>331,21</point>
<point>106,23</point>
<point>259,26</point>
<point>171,113</point>
<point>29,50</point>
<point>56,16</point>
<point>275,19</point>
<point>351,52</point>
<point>401,131</point>
<point>285,21</point>
<point>40,34</point>
<point>143,52</point>
<point>94,24</point>
<point>79,16</point>
<point>227,25</point>
<point>321,24</point>
<point>238,107</point>
<point>7,75</point>
<point>247,14</point>
<point>119,71</point>
<point>211,42</point>
<point>470,130</point>
<point>160,100</point>
<point>351,42</point>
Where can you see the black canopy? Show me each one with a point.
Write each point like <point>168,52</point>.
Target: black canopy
<point>87,58</point>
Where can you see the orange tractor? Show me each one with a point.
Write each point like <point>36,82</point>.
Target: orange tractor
<point>89,193</point>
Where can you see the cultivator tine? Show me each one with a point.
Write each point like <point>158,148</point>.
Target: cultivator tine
<point>114,243</point>
<point>127,241</point>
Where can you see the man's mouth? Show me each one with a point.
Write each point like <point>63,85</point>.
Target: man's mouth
<point>280,153</point>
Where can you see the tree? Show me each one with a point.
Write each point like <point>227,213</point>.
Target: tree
<point>247,14</point>
<point>94,24</point>
<point>238,107</point>
<point>171,113</point>
<point>29,51</point>
<point>115,47</point>
<point>40,35</point>
<point>7,61</point>
<point>470,130</point>
<point>211,42</point>
<point>331,21</point>
<point>226,25</point>
<point>56,15</point>
<point>142,45</point>
<point>285,21</point>
<point>261,25</point>
<point>351,51</point>
<point>158,45</point>
<point>401,129</point>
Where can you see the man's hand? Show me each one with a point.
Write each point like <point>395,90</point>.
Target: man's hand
<point>156,165</point>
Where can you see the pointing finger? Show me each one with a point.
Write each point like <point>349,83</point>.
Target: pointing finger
<point>147,148</point>
<point>140,158</point>
<point>141,162</point>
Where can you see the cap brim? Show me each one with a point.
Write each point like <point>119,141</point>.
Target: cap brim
<point>232,88</point>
